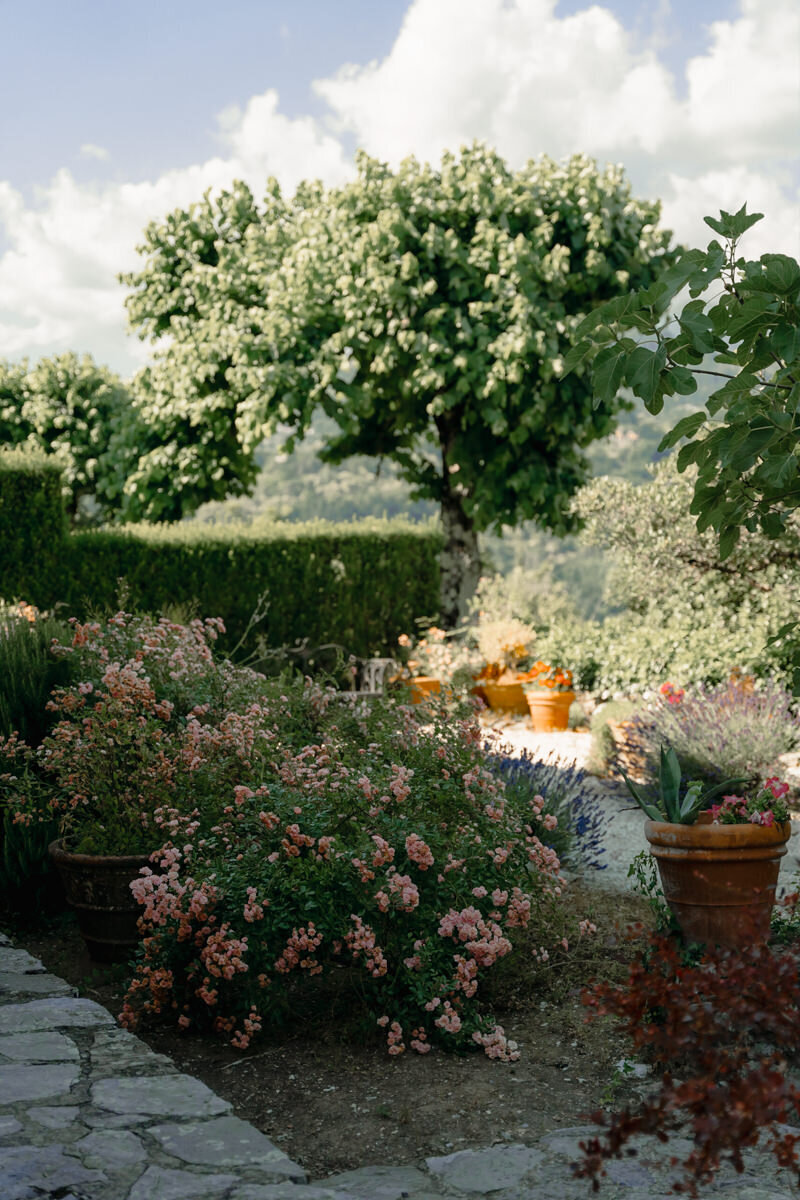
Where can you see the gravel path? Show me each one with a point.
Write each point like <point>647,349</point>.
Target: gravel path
<point>623,836</point>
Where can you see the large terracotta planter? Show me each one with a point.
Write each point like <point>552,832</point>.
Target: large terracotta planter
<point>422,687</point>
<point>505,697</point>
<point>98,888</point>
<point>719,880</point>
<point>549,710</point>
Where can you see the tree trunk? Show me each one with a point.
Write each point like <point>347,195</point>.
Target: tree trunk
<point>460,560</point>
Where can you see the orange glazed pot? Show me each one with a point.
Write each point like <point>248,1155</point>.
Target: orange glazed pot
<point>549,710</point>
<point>505,697</point>
<point>423,686</point>
<point>719,880</point>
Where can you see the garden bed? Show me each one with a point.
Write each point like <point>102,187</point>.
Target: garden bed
<point>334,1102</point>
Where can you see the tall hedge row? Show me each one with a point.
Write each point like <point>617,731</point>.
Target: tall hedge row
<point>33,526</point>
<point>358,584</point>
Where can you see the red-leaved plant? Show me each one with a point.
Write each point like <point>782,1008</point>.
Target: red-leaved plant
<point>728,1027</point>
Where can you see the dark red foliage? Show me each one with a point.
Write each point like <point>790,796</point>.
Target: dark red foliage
<point>728,1027</point>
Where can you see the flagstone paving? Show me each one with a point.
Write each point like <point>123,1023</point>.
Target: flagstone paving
<point>89,1112</point>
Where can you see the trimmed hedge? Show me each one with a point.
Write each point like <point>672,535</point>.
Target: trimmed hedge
<point>33,525</point>
<point>358,585</point>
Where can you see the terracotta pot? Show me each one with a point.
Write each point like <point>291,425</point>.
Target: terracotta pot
<point>505,697</point>
<point>549,710</point>
<point>423,686</point>
<point>719,880</point>
<point>98,888</point>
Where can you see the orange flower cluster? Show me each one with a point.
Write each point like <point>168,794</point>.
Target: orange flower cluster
<point>542,674</point>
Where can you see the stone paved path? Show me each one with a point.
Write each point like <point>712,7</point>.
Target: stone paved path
<point>88,1112</point>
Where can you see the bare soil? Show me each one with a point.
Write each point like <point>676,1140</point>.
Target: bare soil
<point>334,1100</point>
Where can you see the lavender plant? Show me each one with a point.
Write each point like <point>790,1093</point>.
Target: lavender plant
<point>735,729</point>
<point>568,796</point>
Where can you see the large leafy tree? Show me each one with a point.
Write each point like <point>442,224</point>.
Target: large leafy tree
<point>82,414</point>
<point>426,311</point>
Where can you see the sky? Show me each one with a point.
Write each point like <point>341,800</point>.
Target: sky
<point>112,115</point>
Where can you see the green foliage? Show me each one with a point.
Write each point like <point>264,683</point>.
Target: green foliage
<point>675,803</point>
<point>28,671</point>
<point>731,730</point>
<point>647,882</point>
<point>32,523</point>
<point>745,448</point>
<point>427,312</point>
<point>27,881</point>
<point>663,564</point>
<point>602,739</point>
<point>358,585</point>
<point>81,414</point>
<point>628,654</point>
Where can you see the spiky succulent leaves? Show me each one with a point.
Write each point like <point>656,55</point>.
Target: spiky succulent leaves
<point>719,789</point>
<point>692,803</point>
<point>650,809</point>
<point>669,786</point>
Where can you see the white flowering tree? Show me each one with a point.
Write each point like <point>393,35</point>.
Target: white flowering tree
<point>427,311</point>
<point>82,414</point>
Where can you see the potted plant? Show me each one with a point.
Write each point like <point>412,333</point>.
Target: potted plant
<point>718,862</point>
<point>548,695</point>
<point>125,769</point>
<point>504,647</point>
<point>428,664</point>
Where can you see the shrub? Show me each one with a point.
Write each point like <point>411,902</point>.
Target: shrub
<point>719,733</point>
<point>698,641</point>
<point>603,743</point>
<point>33,526</point>
<point>568,797</point>
<point>372,845</point>
<point>359,584</point>
<point>28,670</point>
<point>728,1027</point>
<point>27,882</point>
<point>295,836</point>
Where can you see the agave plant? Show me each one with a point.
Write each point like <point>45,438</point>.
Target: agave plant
<point>670,806</point>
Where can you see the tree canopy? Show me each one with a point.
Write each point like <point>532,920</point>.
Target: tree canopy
<point>428,312</point>
<point>79,412</point>
<point>747,444</point>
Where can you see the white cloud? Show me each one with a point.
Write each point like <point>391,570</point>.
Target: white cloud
<point>530,83</point>
<point>507,71</point>
<point>89,150</point>
<point>687,199</point>
<point>58,285</point>
<point>744,95</point>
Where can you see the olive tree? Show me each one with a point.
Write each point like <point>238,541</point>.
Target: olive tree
<point>427,311</point>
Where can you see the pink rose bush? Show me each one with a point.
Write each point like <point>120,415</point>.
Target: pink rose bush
<point>414,876</point>
<point>293,839</point>
<point>142,743</point>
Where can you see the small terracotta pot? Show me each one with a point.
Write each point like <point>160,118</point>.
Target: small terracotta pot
<point>423,686</point>
<point>719,880</point>
<point>505,697</point>
<point>549,710</point>
<point>98,888</point>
